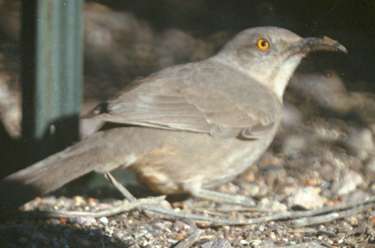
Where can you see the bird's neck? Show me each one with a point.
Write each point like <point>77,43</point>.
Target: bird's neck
<point>281,75</point>
<point>276,80</point>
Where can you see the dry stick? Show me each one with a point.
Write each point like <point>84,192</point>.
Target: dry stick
<point>341,207</point>
<point>301,218</point>
<point>212,212</point>
<point>350,208</point>
<point>316,220</point>
<point>227,209</point>
<point>124,206</point>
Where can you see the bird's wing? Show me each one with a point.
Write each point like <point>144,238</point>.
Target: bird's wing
<point>186,103</point>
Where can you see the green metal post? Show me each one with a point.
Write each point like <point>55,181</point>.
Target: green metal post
<point>52,74</point>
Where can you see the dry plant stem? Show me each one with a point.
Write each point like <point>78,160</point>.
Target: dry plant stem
<point>193,217</point>
<point>228,209</point>
<point>351,208</point>
<point>212,212</point>
<point>299,219</point>
<point>316,220</point>
<point>124,206</point>
<point>341,207</point>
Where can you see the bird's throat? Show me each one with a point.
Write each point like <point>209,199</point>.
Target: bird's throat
<point>281,75</point>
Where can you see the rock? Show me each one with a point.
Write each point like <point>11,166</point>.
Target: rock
<point>292,116</point>
<point>370,165</point>
<point>86,221</point>
<point>360,142</point>
<point>293,145</point>
<point>263,244</point>
<point>306,198</point>
<point>347,183</point>
<point>356,196</point>
<point>104,220</point>
<point>312,244</point>
<point>363,104</point>
<point>325,89</point>
<point>271,205</point>
<point>372,127</point>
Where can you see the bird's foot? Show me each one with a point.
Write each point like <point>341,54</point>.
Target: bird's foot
<point>169,211</point>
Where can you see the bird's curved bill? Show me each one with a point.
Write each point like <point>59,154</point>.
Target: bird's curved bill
<point>312,44</point>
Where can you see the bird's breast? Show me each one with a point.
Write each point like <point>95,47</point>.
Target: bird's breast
<point>189,158</point>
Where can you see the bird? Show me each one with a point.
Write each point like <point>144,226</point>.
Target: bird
<point>187,128</point>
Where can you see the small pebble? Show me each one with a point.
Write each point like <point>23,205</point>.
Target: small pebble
<point>271,205</point>
<point>293,145</point>
<point>104,220</point>
<point>348,183</point>
<point>79,200</point>
<point>306,198</point>
<point>85,221</point>
<point>361,143</point>
<point>370,165</point>
<point>217,243</point>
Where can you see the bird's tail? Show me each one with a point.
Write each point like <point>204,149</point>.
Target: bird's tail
<point>100,151</point>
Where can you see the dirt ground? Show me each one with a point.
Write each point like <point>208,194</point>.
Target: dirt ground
<point>313,188</point>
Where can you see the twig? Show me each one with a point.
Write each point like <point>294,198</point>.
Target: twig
<point>341,207</point>
<point>193,217</point>
<point>315,220</point>
<point>298,218</point>
<point>226,209</point>
<point>212,212</point>
<point>124,206</point>
<point>351,208</point>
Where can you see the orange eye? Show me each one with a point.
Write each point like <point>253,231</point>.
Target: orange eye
<point>263,44</point>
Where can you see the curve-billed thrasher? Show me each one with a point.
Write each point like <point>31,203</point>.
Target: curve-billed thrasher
<point>189,127</point>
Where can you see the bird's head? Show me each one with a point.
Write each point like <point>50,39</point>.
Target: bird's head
<point>270,55</point>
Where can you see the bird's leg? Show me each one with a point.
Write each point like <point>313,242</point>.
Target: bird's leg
<point>129,195</point>
<point>194,191</point>
<point>165,211</point>
<point>221,197</point>
<point>120,187</point>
